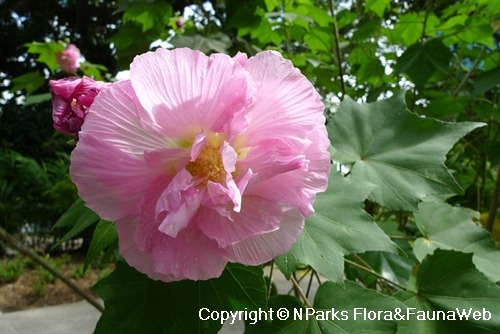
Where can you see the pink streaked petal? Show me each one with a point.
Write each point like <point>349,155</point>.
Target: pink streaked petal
<point>172,159</point>
<point>110,181</point>
<point>299,187</point>
<point>136,258</point>
<point>241,58</point>
<point>184,91</point>
<point>265,247</point>
<point>199,143</point>
<point>286,102</point>
<point>257,216</point>
<point>275,156</point>
<point>229,157</point>
<point>191,255</point>
<point>178,204</point>
<point>114,118</point>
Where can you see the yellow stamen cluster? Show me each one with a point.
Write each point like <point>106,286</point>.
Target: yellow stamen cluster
<point>208,165</point>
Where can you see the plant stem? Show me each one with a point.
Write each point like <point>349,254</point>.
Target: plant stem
<point>471,70</point>
<point>336,48</point>
<point>298,289</point>
<point>494,205</point>
<point>28,252</point>
<point>270,280</point>
<point>374,273</point>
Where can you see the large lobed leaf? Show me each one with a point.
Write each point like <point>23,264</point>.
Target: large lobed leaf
<point>136,304</point>
<point>338,308</point>
<point>448,281</point>
<point>446,227</point>
<point>339,227</point>
<point>400,152</point>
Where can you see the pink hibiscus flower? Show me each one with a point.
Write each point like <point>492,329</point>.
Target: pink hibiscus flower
<point>71,100</point>
<point>69,59</point>
<point>204,160</point>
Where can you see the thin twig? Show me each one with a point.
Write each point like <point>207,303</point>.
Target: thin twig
<point>299,290</point>
<point>309,285</point>
<point>363,262</point>
<point>270,280</point>
<point>471,71</point>
<point>28,252</point>
<point>374,273</point>
<point>494,205</point>
<point>336,48</point>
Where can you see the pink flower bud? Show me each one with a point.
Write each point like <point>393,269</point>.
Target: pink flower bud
<point>71,100</point>
<point>179,23</point>
<point>68,59</point>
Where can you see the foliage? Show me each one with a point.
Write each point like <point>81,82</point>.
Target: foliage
<point>411,90</point>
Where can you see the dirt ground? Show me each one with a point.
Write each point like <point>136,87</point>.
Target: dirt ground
<point>21,295</point>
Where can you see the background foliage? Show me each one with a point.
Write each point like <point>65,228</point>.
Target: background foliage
<point>411,91</point>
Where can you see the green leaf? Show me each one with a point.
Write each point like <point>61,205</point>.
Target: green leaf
<point>217,42</point>
<point>400,152</point>
<point>339,227</point>
<point>93,70</point>
<point>47,53</point>
<point>78,217</point>
<point>448,281</point>
<point>446,227</point>
<point>421,60</point>
<point>38,98</point>
<point>30,82</point>
<point>135,303</point>
<point>338,308</point>
<point>104,236</point>
<point>486,81</point>
<point>149,14</point>
<point>408,28</point>
<point>377,6</point>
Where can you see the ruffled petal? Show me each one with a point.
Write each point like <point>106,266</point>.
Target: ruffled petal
<point>114,118</point>
<point>275,156</point>
<point>265,247</point>
<point>110,181</point>
<point>191,255</point>
<point>286,102</point>
<point>186,91</point>
<point>178,204</point>
<point>299,187</point>
<point>257,216</point>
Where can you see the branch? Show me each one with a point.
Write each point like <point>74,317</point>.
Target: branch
<point>467,76</point>
<point>28,252</point>
<point>299,290</point>
<point>337,48</point>
<point>494,205</point>
<point>374,273</point>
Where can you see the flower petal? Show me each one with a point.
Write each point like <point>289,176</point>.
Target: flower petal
<point>114,118</point>
<point>191,255</point>
<point>299,187</point>
<point>257,216</point>
<point>110,181</point>
<point>286,102</point>
<point>265,247</point>
<point>275,156</point>
<point>178,203</point>
<point>185,91</point>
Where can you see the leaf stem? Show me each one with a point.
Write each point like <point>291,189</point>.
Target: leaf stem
<point>374,273</point>
<point>300,292</point>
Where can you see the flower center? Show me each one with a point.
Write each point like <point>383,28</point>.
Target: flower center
<point>208,165</point>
